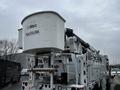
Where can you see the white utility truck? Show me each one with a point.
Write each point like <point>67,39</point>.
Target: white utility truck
<point>61,60</point>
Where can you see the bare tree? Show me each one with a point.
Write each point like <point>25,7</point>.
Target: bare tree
<point>8,47</point>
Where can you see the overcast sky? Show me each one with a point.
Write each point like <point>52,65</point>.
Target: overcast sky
<point>95,21</point>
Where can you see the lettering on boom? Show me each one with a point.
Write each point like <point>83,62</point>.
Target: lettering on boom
<point>32,32</point>
<point>32,26</point>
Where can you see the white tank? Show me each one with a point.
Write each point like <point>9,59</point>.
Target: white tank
<point>43,31</point>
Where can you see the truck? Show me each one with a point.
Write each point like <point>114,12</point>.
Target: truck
<point>61,59</point>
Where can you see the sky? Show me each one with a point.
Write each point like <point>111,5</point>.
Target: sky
<point>95,21</point>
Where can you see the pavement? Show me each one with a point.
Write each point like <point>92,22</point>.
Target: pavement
<point>16,86</point>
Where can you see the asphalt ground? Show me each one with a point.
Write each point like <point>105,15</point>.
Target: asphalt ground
<point>16,86</point>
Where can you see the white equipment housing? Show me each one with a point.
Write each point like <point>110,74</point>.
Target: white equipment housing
<point>62,61</point>
<point>43,31</point>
